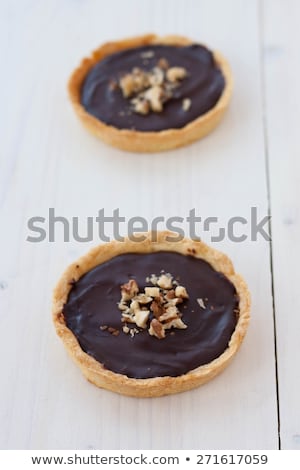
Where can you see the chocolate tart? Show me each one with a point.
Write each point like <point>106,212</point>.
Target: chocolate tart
<point>191,109</point>
<point>215,315</point>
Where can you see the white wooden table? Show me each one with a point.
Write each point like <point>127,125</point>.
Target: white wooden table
<point>48,160</point>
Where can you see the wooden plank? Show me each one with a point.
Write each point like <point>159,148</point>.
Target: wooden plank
<point>282,69</point>
<point>50,161</point>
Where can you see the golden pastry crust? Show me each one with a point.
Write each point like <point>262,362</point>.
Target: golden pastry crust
<point>137,141</point>
<point>158,386</point>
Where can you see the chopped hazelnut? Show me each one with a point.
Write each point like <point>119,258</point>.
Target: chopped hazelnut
<point>176,323</point>
<point>128,318</point>
<point>133,332</point>
<point>173,302</point>
<point>129,290</point>
<point>127,85</point>
<point>186,104</point>
<point>134,82</point>
<point>156,77</point>
<point>163,64</point>
<point>157,308</point>
<point>165,282</point>
<point>141,106</point>
<point>153,279</point>
<point>134,306</point>
<point>141,318</point>
<point>172,310</point>
<point>180,291</point>
<point>170,294</point>
<point>161,300</point>
<point>147,54</point>
<point>156,329</point>
<point>201,303</point>
<point>167,316</point>
<point>152,291</point>
<point>143,299</point>
<point>113,331</point>
<point>154,95</point>
<point>122,306</point>
<point>175,74</point>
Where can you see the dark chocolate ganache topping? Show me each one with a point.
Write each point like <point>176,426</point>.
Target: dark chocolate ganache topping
<point>93,300</point>
<point>202,87</point>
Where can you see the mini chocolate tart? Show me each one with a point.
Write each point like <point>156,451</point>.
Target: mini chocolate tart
<point>153,317</point>
<point>151,93</point>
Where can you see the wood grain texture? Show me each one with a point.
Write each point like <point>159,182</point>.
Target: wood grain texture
<point>48,160</point>
<point>281,70</point>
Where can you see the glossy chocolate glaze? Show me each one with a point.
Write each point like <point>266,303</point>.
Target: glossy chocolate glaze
<point>93,301</point>
<point>204,86</point>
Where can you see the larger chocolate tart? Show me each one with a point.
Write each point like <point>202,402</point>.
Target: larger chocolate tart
<point>153,317</point>
<point>151,93</point>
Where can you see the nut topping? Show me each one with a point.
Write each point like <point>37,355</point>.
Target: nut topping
<point>141,105</point>
<point>201,303</point>
<point>157,329</point>
<point>147,54</point>
<point>154,96</point>
<point>134,82</point>
<point>174,74</point>
<point>186,104</point>
<point>127,85</point>
<point>143,298</point>
<point>110,329</point>
<point>134,306</point>
<point>175,301</point>
<point>176,323</point>
<point>149,90</point>
<point>168,316</point>
<point>153,279</point>
<point>122,306</point>
<point>129,290</point>
<point>155,308</point>
<point>141,318</point>
<point>170,294</point>
<point>156,77</point>
<point>165,281</point>
<point>152,291</point>
<point>163,64</point>
<point>180,291</point>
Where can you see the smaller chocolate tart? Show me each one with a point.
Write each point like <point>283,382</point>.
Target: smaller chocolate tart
<point>182,315</point>
<point>151,93</point>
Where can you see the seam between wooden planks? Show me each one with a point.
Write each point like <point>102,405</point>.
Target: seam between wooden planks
<point>261,19</point>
